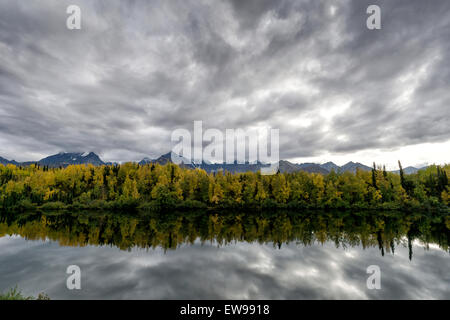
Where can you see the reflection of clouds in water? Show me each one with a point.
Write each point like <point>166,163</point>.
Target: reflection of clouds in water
<point>238,271</point>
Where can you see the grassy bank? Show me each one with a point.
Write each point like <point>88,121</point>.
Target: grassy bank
<point>155,206</point>
<point>15,294</point>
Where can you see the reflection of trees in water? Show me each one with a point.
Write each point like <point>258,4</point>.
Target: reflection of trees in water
<point>384,230</point>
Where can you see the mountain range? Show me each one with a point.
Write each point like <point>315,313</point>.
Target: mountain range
<point>63,159</point>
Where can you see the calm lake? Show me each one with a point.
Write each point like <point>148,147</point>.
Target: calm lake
<point>205,255</point>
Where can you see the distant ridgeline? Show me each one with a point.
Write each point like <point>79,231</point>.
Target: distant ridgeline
<point>169,230</point>
<point>64,159</point>
<point>155,186</point>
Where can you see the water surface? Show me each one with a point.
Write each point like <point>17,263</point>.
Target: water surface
<point>201,255</point>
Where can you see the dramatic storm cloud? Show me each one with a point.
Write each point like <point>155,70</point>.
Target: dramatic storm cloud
<point>137,70</point>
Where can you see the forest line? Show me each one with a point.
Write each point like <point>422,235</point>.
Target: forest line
<point>155,186</point>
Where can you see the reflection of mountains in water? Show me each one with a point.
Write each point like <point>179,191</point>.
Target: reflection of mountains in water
<point>384,230</point>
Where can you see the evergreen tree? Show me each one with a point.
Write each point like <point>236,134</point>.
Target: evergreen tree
<point>374,177</point>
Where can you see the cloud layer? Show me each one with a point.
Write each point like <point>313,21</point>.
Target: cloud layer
<point>138,70</point>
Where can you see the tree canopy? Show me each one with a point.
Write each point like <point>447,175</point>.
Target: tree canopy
<point>131,185</point>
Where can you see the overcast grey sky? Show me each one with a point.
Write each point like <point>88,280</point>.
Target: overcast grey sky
<point>137,70</point>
